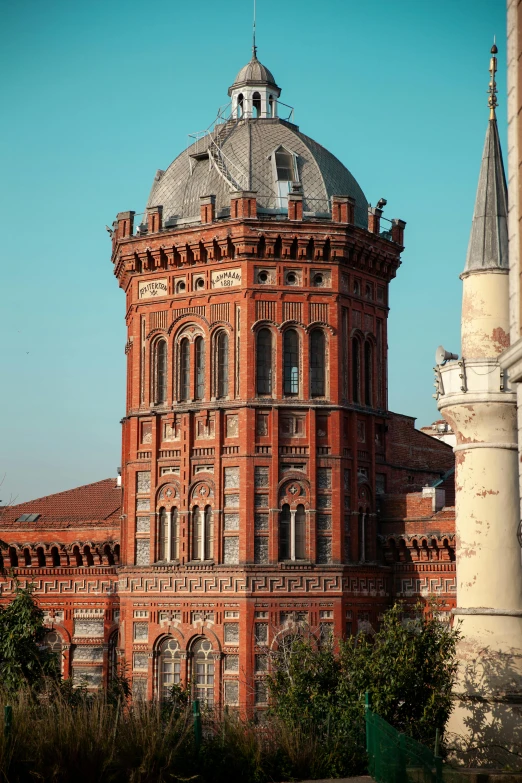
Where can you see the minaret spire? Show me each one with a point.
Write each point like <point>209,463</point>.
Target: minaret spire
<point>488,241</point>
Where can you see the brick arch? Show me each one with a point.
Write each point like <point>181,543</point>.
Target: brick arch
<point>264,323</point>
<point>206,633</point>
<point>207,499</point>
<point>320,325</point>
<point>188,318</point>
<point>166,483</point>
<point>284,495</point>
<point>157,332</point>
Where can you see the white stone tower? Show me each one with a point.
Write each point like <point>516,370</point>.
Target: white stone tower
<point>475,397</point>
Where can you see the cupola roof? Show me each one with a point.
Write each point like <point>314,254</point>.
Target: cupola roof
<point>254,73</point>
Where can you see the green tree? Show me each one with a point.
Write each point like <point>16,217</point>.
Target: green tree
<point>408,667</point>
<point>23,659</point>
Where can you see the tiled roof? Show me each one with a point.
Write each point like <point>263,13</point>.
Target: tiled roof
<point>95,503</point>
<point>248,147</point>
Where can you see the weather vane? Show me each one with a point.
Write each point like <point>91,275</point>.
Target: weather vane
<point>492,100</point>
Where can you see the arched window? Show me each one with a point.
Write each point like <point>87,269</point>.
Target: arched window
<point>364,542</point>
<point>256,102</point>
<point>291,362</point>
<point>203,659</point>
<point>27,557</point>
<point>77,556</point>
<point>40,556</point>
<point>55,556</point>
<point>169,667</point>
<point>160,379</point>
<point>163,535</point>
<point>197,534</point>
<point>317,363</point>
<point>13,557</point>
<point>200,368</point>
<point>270,106</point>
<point>174,526</point>
<point>300,532</point>
<point>264,362</point>
<point>285,175</point>
<point>222,365</point>
<point>368,375</point>
<point>356,370</point>
<point>209,534</point>
<point>52,642</point>
<point>184,369</point>
<point>88,555</point>
<point>240,101</point>
<point>284,533</point>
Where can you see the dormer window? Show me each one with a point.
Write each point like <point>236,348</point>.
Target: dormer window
<point>284,165</point>
<point>285,173</point>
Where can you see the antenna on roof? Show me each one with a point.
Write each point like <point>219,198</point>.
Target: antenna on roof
<point>254,47</point>
<point>492,90</point>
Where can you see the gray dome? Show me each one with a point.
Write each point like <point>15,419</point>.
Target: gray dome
<point>254,72</point>
<point>248,147</point>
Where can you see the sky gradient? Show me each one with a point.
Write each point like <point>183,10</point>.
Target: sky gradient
<point>96,96</point>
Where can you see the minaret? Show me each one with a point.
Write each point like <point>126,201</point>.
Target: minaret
<point>475,397</point>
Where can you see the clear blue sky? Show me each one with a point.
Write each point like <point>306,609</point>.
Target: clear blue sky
<point>98,95</point>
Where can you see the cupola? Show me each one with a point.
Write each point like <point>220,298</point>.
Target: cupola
<point>254,93</point>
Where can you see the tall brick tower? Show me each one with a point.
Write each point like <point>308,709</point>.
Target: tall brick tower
<point>256,305</point>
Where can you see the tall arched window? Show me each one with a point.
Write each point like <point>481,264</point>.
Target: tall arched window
<point>184,369</point>
<point>197,534</point>
<point>364,544</point>
<point>368,374</point>
<point>174,525</point>
<point>222,364</point>
<point>264,362</point>
<point>169,669</point>
<point>256,102</point>
<point>270,106</point>
<point>200,368</point>
<point>112,656</point>
<point>300,532</point>
<point>203,659</point>
<point>52,641</point>
<point>317,363</point>
<point>160,382</point>
<point>240,101</point>
<point>291,362</point>
<point>356,370</point>
<point>284,533</point>
<point>163,535</point>
<point>208,553</point>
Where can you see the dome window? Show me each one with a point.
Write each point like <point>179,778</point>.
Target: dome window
<point>285,173</point>
<point>284,165</point>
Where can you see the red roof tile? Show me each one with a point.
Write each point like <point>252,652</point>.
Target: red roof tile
<point>93,503</point>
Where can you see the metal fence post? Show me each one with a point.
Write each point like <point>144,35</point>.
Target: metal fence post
<point>8,719</point>
<point>197,724</point>
<point>368,732</point>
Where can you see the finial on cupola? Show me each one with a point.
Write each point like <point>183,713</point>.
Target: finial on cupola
<point>492,100</point>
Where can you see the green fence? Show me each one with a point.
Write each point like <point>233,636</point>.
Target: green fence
<point>395,758</point>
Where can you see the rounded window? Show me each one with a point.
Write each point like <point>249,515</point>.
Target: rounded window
<point>263,276</point>
<point>291,278</point>
<point>200,283</point>
<point>170,667</point>
<point>318,279</point>
<point>204,671</point>
<point>180,286</point>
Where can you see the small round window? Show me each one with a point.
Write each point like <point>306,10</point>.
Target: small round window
<point>263,276</point>
<point>180,286</point>
<point>291,278</point>
<point>200,283</point>
<point>318,279</point>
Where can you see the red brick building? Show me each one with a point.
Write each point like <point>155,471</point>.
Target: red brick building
<point>264,481</point>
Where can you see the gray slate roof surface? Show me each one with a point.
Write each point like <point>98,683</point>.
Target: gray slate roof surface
<point>248,144</point>
<point>254,72</point>
<point>488,241</point>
